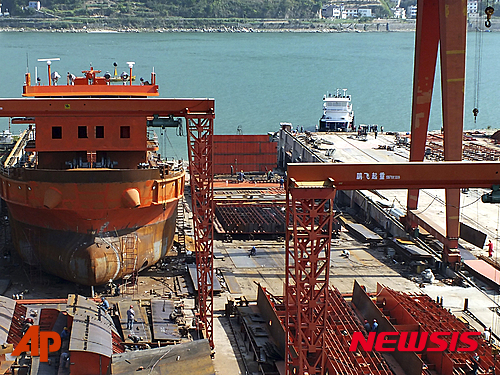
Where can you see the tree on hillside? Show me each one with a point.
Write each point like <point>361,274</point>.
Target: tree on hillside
<point>14,7</point>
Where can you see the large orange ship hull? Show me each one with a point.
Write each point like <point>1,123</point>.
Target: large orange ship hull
<point>91,232</point>
<point>89,260</point>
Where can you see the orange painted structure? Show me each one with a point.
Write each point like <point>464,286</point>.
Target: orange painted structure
<point>89,198</point>
<point>249,153</point>
<point>483,270</point>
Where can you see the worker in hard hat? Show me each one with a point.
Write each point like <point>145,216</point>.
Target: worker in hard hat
<point>104,304</point>
<point>130,318</point>
<point>65,334</point>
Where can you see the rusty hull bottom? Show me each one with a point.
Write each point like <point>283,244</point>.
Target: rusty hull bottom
<point>90,259</point>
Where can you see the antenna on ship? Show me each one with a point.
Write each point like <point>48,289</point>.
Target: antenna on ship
<point>49,62</point>
<point>345,90</point>
<point>27,74</point>
<point>130,65</point>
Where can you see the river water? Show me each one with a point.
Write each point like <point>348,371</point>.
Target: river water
<point>261,79</point>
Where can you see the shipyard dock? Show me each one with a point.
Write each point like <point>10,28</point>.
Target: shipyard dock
<point>369,248</point>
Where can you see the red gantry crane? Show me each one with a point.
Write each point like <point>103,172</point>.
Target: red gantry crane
<point>311,190</point>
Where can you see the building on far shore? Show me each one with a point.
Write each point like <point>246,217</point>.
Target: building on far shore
<point>34,4</point>
<point>365,12</point>
<point>411,11</point>
<point>399,12</point>
<point>472,6</point>
<point>333,11</point>
<point>349,13</point>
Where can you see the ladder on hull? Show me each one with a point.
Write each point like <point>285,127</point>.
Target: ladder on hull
<point>129,265</point>
<point>181,228</point>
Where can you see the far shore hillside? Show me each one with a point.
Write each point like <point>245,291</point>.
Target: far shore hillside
<point>138,24</point>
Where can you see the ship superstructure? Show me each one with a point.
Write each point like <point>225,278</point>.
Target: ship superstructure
<point>337,112</point>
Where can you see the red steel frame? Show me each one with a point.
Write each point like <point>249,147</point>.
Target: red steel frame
<point>342,322</point>
<point>429,316</point>
<point>200,150</point>
<point>440,23</point>
<point>307,265</point>
<point>311,190</point>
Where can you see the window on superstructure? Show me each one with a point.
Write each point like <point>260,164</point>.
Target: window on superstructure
<point>82,132</point>
<point>57,132</point>
<point>124,131</point>
<point>99,131</point>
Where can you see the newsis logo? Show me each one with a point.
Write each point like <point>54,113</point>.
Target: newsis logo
<point>39,343</point>
<point>415,342</point>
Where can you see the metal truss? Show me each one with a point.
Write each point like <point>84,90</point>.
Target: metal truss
<point>200,152</point>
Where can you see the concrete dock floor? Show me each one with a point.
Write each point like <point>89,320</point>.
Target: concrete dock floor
<point>240,273</point>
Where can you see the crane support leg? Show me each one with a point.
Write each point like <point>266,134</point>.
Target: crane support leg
<point>426,49</point>
<point>200,151</point>
<point>308,242</point>
<point>453,27</point>
<point>442,22</point>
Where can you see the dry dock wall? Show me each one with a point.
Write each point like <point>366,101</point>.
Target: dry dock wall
<point>373,213</point>
<point>292,150</point>
<point>274,325</point>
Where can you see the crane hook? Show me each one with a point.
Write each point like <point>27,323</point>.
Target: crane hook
<point>475,111</point>
<point>489,12</point>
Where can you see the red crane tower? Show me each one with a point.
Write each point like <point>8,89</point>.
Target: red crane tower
<point>311,189</point>
<point>200,129</point>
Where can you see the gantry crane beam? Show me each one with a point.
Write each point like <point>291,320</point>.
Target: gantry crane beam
<point>87,107</point>
<point>440,23</point>
<point>379,176</point>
